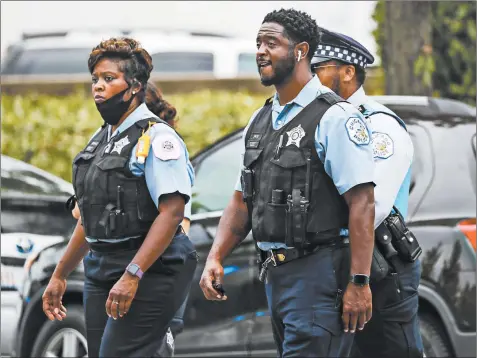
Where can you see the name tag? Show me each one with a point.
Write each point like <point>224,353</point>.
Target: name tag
<point>252,144</point>
<point>254,140</point>
<point>91,147</point>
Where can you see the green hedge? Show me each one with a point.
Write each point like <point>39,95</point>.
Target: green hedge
<point>49,131</point>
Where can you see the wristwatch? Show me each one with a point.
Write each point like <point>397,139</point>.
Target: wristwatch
<point>134,270</point>
<point>359,279</point>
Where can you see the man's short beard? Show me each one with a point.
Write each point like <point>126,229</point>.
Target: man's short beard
<point>283,70</point>
<point>336,87</point>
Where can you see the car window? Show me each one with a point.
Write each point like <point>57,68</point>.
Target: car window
<point>215,178</point>
<point>49,61</point>
<point>166,62</point>
<point>247,63</point>
<point>38,217</point>
<point>28,182</point>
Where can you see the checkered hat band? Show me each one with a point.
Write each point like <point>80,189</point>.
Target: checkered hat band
<point>340,53</point>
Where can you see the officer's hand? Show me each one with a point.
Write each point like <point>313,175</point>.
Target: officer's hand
<point>121,296</point>
<point>357,307</point>
<point>52,304</point>
<point>213,273</point>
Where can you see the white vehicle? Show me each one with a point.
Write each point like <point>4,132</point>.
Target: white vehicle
<point>10,314</point>
<point>33,213</point>
<point>174,53</point>
<point>33,217</point>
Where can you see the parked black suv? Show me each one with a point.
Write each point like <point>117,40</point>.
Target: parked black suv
<point>442,212</point>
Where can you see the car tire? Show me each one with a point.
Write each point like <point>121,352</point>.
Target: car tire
<point>434,338</point>
<point>65,338</point>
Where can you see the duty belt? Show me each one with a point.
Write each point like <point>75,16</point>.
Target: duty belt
<point>131,244</point>
<point>277,257</point>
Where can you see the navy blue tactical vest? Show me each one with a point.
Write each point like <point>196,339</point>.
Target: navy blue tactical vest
<point>284,168</point>
<point>113,202</point>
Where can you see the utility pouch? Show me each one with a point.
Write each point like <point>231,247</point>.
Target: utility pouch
<point>289,222</point>
<point>403,240</point>
<point>300,218</point>
<point>247,184</point>
<point>108,220</point>
<point>379,266</point>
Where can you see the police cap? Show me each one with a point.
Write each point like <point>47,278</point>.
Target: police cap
<point>336,46</point>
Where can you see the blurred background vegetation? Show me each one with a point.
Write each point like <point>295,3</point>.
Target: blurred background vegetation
<point>426,48</point>
<point>48,131</point>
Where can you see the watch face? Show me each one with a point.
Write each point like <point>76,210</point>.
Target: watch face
<point>360,279</point>
<point>133,269</point>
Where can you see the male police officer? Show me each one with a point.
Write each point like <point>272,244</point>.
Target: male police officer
<point>340,63</point>
<point>307,178</point>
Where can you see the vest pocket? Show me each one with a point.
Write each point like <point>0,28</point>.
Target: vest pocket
<point>251,156</point>
<point>81,165</point>
<point>112,162</point>
<point>108,175</point>
<point>275,221</point>
<point>290,157</point>
<point>289,170</point>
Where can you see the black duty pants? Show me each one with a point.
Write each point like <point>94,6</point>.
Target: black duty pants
<point>161,292</point>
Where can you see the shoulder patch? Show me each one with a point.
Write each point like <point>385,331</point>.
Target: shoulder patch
<point>357,131</point>
<point>166,147</point>
<point>383,145</point>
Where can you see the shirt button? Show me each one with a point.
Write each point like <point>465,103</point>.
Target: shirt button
<point>279,122</point>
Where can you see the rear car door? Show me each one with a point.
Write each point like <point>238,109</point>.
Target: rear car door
<point>218,328</point>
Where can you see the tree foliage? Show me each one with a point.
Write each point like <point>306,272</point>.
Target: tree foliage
<point>49,131</point>
<point>450,64</point>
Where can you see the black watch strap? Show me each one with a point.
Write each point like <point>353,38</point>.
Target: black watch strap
<point>359,279</point>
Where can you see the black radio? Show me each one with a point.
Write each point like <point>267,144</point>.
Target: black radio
<point>403,239</point>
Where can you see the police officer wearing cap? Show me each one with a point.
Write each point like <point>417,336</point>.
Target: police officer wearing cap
<point>132,181</point>
<point>340,63</point>
<point>306,192</point>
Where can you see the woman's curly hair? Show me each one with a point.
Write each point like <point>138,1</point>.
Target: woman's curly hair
<point>158,105</point>
<point>298,25</point>
<point>134,61</point>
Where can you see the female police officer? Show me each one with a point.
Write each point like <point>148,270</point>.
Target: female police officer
<point>132,182</point>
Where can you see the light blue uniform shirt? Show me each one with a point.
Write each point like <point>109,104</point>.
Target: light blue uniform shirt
<point>347,160</point>
<point>162,176</point>
<point>393,153</point>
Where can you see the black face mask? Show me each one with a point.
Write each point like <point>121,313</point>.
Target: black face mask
<point>113,108</point>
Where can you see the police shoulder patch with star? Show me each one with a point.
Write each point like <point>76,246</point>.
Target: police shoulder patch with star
<point>357,131</point>
<point>383,145</point>
<point>166,147</point>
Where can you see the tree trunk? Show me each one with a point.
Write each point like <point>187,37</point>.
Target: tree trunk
<point>408,34</point>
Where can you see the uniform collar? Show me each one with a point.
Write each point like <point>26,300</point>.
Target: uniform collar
<point>308,93</point>
<point>358,98</point>
<point>141,112</point>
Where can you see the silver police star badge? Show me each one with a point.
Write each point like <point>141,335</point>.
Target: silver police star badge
<point>120,144</point>
<point>295,136</point>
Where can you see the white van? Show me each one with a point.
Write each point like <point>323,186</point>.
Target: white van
<point>174,53</point>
